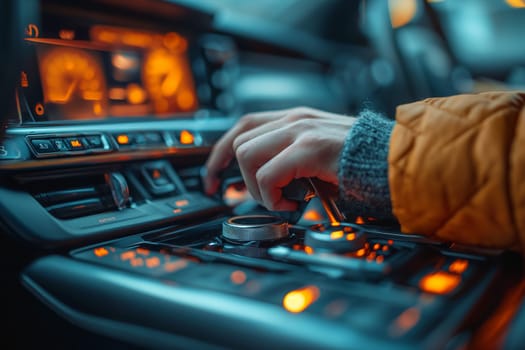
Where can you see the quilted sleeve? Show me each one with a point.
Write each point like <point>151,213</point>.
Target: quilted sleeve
<point>457,169</point>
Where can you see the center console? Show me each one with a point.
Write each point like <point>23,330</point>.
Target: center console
<point>255,280</point>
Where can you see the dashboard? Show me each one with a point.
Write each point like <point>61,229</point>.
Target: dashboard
<point>149,74</point>
<point>75,69</point>
<point>110,242</point>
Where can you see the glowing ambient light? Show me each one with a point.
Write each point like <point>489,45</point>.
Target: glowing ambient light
<point>312,215</point>
<point>238,277</point>
<point>153,262</point>
<point>458,266</point>
<point>142,251</point>
<point>234,195</point>
<point>401,12</point>
<point>350,236</point>
<point>123,139</point>
<point>298,300</point>
<point>405,321</point>
<point>128,255</point>
<point>516,3</point>
<point>136,262</point>
<point>100,252</point>
<point>182,202</point>
<point>439,282</point>
<point>186,137</point>
<point>336,234</point>
<point>361,252</point>
<point>172,266</point>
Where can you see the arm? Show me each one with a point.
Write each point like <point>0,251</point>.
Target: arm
<point>457,168</point>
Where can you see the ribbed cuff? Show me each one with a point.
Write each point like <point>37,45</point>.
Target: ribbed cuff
<point>363,168</point>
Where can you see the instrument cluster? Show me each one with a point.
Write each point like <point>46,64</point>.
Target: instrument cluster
<point>101,71</point>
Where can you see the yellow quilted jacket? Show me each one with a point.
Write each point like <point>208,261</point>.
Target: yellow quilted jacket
<point>457,169</point>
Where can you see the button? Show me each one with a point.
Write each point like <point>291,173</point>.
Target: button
<point>158,179</point>
<point>76,143</point>
<point>139,139</point>
<point>95,141</point>
<point>43,146</point>
<point>153,138</point>
<point>60,145</point>
<point>186,137</point>
<point>158,176</point>
<point>123,139</point>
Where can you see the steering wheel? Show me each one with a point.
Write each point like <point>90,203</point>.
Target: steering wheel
<point>11,34</point>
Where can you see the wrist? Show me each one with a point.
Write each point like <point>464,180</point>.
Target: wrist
<point>363,167</point>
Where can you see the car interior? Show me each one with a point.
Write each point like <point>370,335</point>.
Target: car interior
<point>109,110</point>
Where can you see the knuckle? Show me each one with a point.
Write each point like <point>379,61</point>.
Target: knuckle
<point>262,178</point>
<point>304,125</point>
<point>242,152</point>
<point>237,142</point>
<point>247,121</point>
<point>297,113</point>
<point>271,206</point>
<point>309,140</point>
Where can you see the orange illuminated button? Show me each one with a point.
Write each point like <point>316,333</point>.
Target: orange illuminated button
<point>300,299</point>
<point>123,139</point>
<point>180,204</point>
<point>158,176</point>
<point>186,137</point>
<point>75,143</point>
<point>439,282</point>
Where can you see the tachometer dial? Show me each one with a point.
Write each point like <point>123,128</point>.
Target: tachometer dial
<point>73,83</point>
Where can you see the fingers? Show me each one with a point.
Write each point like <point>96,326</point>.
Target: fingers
<point>256,151</point>
<point>222,153</point>
<point>305,158</point>
<point>306,148</point>
<point>273,148</point>
<point>299,117</point>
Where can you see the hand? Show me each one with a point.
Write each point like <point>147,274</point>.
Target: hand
<point>273,148</point>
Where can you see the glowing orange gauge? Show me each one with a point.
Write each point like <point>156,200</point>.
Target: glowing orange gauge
<point>167,78</point>
<point>73,80</point>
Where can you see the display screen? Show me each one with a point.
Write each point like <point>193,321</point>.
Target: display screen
<point>113,72</point>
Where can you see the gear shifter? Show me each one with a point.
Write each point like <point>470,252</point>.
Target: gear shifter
<point>335,235</point>
<point>321,190</point>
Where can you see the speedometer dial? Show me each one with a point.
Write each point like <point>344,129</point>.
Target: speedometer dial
<point>73,83</point>
<point>166,76</point>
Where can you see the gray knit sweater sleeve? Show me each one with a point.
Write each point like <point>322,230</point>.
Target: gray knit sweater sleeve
<point>363,168</point>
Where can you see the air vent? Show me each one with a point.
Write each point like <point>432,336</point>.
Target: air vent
<point>72,197</point>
